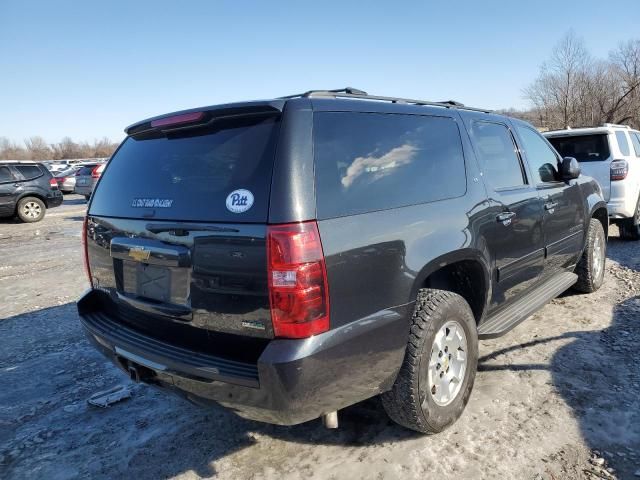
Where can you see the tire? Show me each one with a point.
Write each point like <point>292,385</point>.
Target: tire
<point>591,267</point>
<point>630,228</point>
<point>87,197</point>
<point>411,402</point>
<point>31,209</point>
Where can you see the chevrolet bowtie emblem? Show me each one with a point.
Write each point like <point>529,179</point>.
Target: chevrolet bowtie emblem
<point>139,254</point>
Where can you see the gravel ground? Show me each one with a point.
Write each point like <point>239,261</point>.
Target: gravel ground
<point>556,398</point>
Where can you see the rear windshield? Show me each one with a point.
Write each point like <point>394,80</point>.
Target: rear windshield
<point>221,173</point>
<point>584,148</point>
<point>372,161</point>
<point>86,170</point>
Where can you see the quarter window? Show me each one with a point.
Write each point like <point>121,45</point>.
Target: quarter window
<point>635,139</point>
<point>29,172</point>
<point>5,175</point>
<point>373,161</point>
<point>541,157</point>
<point>496,150</point>
<point>623,143</point>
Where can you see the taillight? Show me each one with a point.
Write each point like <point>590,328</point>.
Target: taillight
<point>619,170</point>
<point>178,119</point>
<point>85,252</point>
<point>53,183</point>
<point>95,173</point>
<point>298,290</point>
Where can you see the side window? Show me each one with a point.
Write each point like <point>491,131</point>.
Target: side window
<point>29,172</point>
<point>635,139</point>
<point>541,157</point>
<point>623,143</point>
<point>499,161</point>
<point>372,161</point>
<point>5,175</point>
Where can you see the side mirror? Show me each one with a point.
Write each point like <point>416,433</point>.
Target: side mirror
<point>570,168</point>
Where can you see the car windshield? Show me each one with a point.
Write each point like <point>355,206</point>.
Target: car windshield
<point>584,148</point>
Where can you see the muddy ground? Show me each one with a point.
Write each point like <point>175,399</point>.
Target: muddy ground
<point>557,398</point>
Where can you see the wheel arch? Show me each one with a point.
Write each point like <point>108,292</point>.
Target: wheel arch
<point>465,272</point>
<point>599,212</point>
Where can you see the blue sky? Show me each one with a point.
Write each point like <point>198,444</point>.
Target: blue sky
<point>87,69</point>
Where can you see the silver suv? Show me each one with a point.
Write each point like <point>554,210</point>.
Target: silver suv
<point>610,154</point>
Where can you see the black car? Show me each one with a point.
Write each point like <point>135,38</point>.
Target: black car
<point>291,257</point>
<point>27,189</point>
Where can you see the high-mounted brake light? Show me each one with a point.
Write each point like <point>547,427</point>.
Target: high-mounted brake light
<point>298,289</point>
<point>178,119</point>
<point>85,252</point>
<point>619,170</point>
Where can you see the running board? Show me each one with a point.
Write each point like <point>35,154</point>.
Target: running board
<point>506,319</point>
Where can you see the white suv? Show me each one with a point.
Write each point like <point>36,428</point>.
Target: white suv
<point>611,155</point>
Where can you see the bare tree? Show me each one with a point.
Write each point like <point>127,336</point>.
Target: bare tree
<point>560,87</point>
<point>11,151</point>
<point>37,148</point>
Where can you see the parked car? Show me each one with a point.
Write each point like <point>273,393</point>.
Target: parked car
<point>610,154</point>
<point>58,165</point>
<point>27,189</point>
<point>86,178</point>
<point>67,179</point>
<point>291,257</point>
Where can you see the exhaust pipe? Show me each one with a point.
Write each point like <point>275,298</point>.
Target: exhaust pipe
<point>330,420</point>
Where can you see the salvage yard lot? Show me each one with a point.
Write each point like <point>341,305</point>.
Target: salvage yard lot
<point>560,386</point>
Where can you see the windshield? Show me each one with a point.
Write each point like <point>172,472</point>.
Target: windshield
<point>192,175</point>
<point>584,148</point>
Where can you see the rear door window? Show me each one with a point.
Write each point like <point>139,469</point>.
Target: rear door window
<point>584,148</point>
<point>623,143</point>
<point>5,175</point>
<point>500,163</point>
<point>193,174</point>
<point>372,161</point>
<point>29,172</point>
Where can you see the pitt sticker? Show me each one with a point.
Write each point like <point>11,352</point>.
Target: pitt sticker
<point>239,201</point>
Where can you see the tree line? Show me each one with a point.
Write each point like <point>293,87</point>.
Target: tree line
<point>576,89</point>
<point>36,148</point>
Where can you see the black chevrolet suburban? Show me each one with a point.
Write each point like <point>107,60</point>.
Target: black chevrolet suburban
<point>27,189</point>
<point>291,257</point>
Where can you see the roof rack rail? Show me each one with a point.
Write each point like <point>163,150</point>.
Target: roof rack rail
<point>615,125</point>
<point>350,92</point>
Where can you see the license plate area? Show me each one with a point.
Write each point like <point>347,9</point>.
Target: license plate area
<point>153,282</point>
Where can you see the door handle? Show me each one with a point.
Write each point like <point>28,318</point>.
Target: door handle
<point>505,217</point>
<point>549,206</point>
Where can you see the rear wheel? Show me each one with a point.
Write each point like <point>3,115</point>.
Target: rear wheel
<point>439,368</point>
<point>31,209</point>
<point>630,228</point>
<point>590,268</point>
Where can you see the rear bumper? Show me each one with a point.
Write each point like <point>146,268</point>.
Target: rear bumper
<point>293,381</point>
<point>54,199</point>
<point>83,190</point>
<point>623,200</point>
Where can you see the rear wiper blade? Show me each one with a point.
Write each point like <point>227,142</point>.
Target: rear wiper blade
<point>181,229</point>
